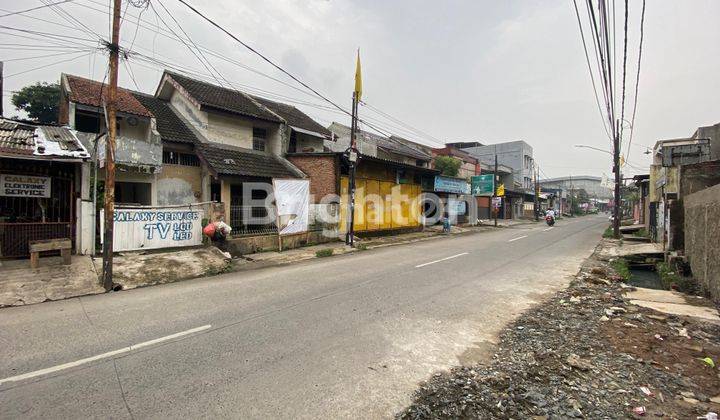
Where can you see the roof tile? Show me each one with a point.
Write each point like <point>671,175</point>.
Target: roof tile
<point>92,93</point>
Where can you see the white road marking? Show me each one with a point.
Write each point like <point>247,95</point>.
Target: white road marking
<point>545,230</point>
<point>442,259</point>
<point>101,356</point>
<point>519,237</point>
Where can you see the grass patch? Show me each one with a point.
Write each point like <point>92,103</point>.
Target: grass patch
<point>324,252</point>
<point>642,233</point>
<point>361,247</point>
<point>608,233</point>
<point>621,268</point>
<point>671,279</point>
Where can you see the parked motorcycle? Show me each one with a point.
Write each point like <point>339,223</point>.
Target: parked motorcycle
<point>549,220</point>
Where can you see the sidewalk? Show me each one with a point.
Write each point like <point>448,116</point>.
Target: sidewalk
<point>20,285</point>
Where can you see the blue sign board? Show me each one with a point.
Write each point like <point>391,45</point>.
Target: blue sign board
<point>451,185</point>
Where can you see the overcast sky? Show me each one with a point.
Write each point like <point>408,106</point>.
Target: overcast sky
<point>486,71</point>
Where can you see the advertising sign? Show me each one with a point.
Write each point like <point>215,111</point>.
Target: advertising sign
<point>158,227</point>
<point>451,185</point>
<point>24,186</point>
<point>482,185</point>
<point>496,202</point>
<point>456,207</point>
<point>501,190</point>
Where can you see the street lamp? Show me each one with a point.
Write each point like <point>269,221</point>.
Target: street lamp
<point>594,148</point>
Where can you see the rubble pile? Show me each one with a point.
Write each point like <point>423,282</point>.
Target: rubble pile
<point>585,353</point>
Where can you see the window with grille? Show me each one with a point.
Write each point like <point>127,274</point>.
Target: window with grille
<point>171,157</point>
<point>259,136</point>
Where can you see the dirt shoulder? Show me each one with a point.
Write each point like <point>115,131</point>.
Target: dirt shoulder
<point>587,352</point>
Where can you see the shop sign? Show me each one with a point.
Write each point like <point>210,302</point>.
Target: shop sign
<point>157,227</point>
<point>482,185</point>
<point>451,185</point>
<point>496,202</point>
<point>456,207</point>
<point>24,186</point>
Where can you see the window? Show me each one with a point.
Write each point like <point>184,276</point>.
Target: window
<point>292,146</point>
<point>87,122</point>
<point>259,136</point>
<point>132,193</point>
<point>171,157</point>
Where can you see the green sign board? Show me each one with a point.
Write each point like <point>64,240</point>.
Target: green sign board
<point>482,185</point>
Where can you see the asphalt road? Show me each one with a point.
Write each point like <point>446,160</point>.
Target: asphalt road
<point>346,336</point>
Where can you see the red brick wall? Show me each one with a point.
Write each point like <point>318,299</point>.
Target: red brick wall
<point>322,173</point>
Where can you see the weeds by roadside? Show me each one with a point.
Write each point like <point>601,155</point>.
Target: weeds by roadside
<point>671,279</point>
<point>621,268</point>
<point>324,252</point>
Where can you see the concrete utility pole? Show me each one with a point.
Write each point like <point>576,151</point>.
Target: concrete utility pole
<point>114,48</point>
<point>494,194</point>
<point>352,157</point>
<point>536,200</point>
<point>616,169</point>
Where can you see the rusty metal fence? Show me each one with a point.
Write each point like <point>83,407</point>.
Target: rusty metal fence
<point>244,221</point>
<point>14,237</point>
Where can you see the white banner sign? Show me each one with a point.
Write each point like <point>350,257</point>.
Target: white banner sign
<point>24,186</point>
<point>160,227</point>
<point>292,197</point>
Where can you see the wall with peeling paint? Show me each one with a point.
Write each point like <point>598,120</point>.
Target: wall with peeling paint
<point>178,184</point>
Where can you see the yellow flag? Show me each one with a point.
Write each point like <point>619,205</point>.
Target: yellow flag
<point>358,78</point>
<point>500,190</point>
<point>622,161</point>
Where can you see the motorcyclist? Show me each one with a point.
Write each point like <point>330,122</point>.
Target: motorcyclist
<point>550,213</point>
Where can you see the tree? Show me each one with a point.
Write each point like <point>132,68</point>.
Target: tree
<point>40,101</point>
<point>447,165</point>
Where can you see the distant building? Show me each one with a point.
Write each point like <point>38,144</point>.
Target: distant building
<point>517,155</point>
<point>591,184</point>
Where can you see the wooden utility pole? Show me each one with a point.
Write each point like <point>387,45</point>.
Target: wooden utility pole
<point>616,169</point>
<point>2,76</point>
<point>114,48</point>
<point>492,203</point>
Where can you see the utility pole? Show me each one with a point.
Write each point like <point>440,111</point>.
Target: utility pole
<point>536,204</point>
<point>2,76</point>
<point>494,194</point>
<point>114,48</point>
<point>616,169</point>
<point>352,157</point>
<point>353,154</point>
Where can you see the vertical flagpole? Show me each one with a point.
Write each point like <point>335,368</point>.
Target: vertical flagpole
<point>352,154</point>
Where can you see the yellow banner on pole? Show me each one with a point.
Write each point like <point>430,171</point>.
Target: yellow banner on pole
<point>500,190</point>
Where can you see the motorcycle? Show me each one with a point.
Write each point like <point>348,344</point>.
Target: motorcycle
<point>549,220</point>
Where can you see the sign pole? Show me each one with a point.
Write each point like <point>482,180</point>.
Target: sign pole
<point>352,155</point>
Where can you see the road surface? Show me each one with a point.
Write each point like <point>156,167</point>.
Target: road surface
<point>339,337</point>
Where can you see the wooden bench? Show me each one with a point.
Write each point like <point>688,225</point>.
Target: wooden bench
<point>63,245</point>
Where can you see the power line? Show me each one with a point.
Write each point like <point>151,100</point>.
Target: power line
<point>34,8</point>
<point>47,65</point>
<point>637,79</point>
<point>587,60</point>
<point>624,72</point>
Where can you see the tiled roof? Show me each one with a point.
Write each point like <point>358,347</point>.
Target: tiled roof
<point>17,138</point>
<point>169,125</point>
<point>293,116</point>
<point>223,99</point>
<point>91,93</point>
<point>229,160</point>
